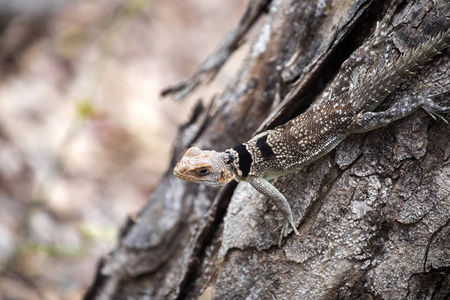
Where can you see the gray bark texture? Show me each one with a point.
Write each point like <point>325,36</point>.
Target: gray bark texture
<point>374,214</point>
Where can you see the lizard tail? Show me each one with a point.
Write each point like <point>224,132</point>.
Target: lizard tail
<point>412,62</point>
<point>409,64</point>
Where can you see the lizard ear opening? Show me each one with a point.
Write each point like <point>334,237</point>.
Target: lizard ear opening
<point>224,177</point>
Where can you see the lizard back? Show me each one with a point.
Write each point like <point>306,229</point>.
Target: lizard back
<point>320,129</point>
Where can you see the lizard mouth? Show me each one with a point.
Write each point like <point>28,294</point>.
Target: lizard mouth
<point>180,173</point>
<point>177,172</point>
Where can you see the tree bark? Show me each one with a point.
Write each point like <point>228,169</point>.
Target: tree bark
<point>374,214</point>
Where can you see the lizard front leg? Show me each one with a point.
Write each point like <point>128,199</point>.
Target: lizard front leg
<point>267,189</point>
<point>366,121</point>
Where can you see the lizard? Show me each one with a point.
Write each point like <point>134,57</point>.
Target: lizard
<point>348,109</point>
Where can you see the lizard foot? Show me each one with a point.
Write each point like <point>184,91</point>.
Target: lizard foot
<point>436,113</point>
<point>285,229</point>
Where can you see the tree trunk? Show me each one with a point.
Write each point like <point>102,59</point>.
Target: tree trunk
<point>374,214</point>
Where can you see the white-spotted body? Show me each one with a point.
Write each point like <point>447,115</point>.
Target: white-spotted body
<point>348,109</point>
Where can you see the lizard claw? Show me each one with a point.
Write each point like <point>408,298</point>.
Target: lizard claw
<point>435,112</point>
<point>283,234</point>
<point>285,230</point>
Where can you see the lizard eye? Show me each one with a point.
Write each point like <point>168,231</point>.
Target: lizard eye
<point>203,171</point>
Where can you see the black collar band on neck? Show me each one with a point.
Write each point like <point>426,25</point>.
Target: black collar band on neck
<point>245,159</point>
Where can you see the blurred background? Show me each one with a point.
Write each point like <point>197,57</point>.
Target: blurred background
<point>84,135</point>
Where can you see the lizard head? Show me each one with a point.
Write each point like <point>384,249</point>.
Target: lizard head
<point>206,167</point>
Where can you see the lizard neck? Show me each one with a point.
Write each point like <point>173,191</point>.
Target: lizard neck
<point>241,160</point>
